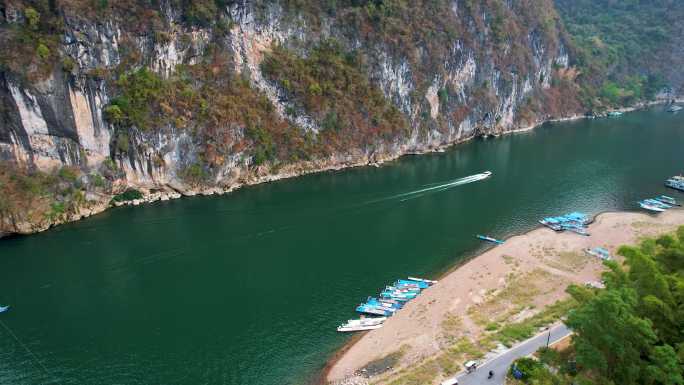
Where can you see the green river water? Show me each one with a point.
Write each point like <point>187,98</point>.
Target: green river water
<point>248,288</point>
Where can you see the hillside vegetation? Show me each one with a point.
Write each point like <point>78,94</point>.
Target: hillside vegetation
<point>626,50</point>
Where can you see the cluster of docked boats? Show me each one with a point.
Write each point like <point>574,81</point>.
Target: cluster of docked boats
<point>575,221</point>
<point>658,204</point>
<point>390,300</point>
<point>676,182</point>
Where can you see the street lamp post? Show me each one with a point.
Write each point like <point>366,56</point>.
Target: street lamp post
<point>548,338</point>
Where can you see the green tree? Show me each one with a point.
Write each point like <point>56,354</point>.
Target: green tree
<point>609,336</point>
<point>665,368</point>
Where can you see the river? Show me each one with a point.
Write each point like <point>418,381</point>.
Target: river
<point>247,288</point>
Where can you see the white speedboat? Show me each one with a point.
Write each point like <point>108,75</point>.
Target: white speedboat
<point>366,321</point>
<point>357,328</point>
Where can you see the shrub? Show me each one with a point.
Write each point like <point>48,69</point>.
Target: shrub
<point>113,114</point>
<point>97,180</point>
<point>491,326</point>
<point>68,64</point>
<point>43,51</point>
<point>128,195</point>
<point>32,17</point>
<point>69,174</point>
<point>527,367</point>
<point>194,173</point>
<point>57,209</point>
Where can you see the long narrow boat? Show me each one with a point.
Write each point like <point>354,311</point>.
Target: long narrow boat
<point>599,252</point>
<point>649,207</point>
<point>422,285</point>
<point>378,303</point>
<point>429,281</point>
<point>372,310</point>
<point>397,296</point>
<point>366,321</point>
<point>404,289</point>
<point>657,203</point>
<point>489,239</point>
<point>668,200</point>
<point>391,302</point>
<point>357,328</point>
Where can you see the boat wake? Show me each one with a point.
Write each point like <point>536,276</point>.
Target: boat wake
<point>436,188</point>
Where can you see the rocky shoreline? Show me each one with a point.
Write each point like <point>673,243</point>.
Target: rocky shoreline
<point>102,202</point>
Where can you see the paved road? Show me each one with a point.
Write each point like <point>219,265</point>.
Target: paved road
<point>501,363</point>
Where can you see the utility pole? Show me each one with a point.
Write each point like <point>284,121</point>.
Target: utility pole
<point>548,338</point>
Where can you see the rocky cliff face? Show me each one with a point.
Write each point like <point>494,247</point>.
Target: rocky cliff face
<point>444,71</point>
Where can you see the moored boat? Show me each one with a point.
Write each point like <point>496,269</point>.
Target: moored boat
<point>675,182</point>
<point>657,203</point>
<point>668,200</point>
<point>357,328</point>
<point>599,252</point>
<point>574,221</point>
<point>370,321</point>
<point>372,310</point>
<point>379,303</point>
<point>421,285</point>
<point>4,308</point>
<point>429,281</point>
<point>650,207</point>
<point>489,239</point>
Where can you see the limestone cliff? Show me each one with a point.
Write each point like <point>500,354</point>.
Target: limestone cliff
<point>177,96</point>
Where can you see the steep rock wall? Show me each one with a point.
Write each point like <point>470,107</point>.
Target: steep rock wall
<point>447,89</point>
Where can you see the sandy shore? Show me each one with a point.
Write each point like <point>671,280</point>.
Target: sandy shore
<point>507,283</point>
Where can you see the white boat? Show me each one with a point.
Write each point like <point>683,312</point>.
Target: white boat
<point>674,108</point>
<point>357,328</point>
<point>650,207</point>
<point>366,321</point>
<point>3,308</point>
<point>427,280</point>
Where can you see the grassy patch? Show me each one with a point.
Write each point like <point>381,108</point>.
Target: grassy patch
<point>570,261</point>
<point>451,323</point>
<point>420,375</point>
<point>519,331</point>
<point>492,326</point>
<point>518,293</point>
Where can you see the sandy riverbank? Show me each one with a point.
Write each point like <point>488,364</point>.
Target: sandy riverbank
<point>507,283</point>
